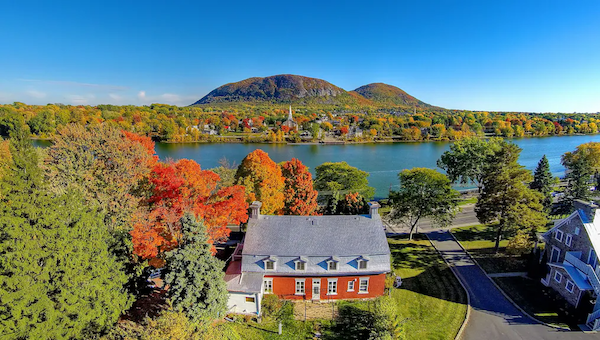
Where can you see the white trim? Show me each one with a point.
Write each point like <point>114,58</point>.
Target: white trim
<point>270,261</point>
<point>567,286</point>
<point>332,283</point>
<point>568,239</point>
<point>353,281</point>
<point>314,283</point>
<point>297,262</point>
<point>556,233</point>
<point>265,280</point>
<point>559,276</point>
<point>360,281</point>
<point>577,230</point>
<point>361,261</point>
<point>329,262</point>
<point>303,281</point>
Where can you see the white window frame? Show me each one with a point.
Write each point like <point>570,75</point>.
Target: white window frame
<point>270,261</point>
<point>351,285</point>
<point>329,262</point>
<point>557,273</point>
<point>361,261</point>
<point>577,230</point>
<point>302,284</point>
<point>572,286</point>
<point>556,233</point>
<point>297,262</point>
<point>568,240</point>
<point>268,281</point>
<point>360,286</point>
<point>332,283</point>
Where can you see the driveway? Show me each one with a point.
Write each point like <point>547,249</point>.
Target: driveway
<point>492,315</point>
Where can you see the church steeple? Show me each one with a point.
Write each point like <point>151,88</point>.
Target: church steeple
<point>290,114</point>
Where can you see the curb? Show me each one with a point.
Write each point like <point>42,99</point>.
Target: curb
<point>503,292</point>
<point>458,277</point>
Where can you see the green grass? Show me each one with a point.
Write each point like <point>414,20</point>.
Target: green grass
<point>541,302</point>
<point>268,329</point>
<point>480,240</point>
<point>471,200</point>
<point>431,300</point>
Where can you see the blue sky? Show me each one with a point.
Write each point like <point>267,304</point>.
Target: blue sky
<point>539,56</point>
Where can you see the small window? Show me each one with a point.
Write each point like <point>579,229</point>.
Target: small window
<point>351,286</point>
<point>570,286</point>
<point>299,287</point>
<point>557,277</point>
<point>363,286</point>
<point>270,265</point>
<point>568,239</point>
<point>558,235</point>
<point>331,286</point>
<point>268,285</point>
<point>300,265</point>
<point>576,231</point>
<point>250,299</point>
<point>362,264</point>
<point>332,265</point>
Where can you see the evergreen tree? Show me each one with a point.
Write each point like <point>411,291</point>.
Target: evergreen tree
<point>195,277</point>
<point>543,180</point>
<point>58,279</point>
<point>505,198</point>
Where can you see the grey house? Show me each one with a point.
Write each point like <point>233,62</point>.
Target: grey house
<point>571,250</point>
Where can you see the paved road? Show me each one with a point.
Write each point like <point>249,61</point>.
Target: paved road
<point>464,218</point>
<point>492,315</point>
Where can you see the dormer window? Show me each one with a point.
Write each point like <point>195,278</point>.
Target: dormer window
<point>362,263</point>
<point>558,235</point>
<point>332,264</point>
<point>300,264</point>
<point>269,263</point>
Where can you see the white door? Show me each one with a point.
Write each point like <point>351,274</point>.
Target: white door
<point>316,289</point>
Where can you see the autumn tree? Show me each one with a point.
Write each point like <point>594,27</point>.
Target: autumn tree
<point>338,179</point>
<point>466,160</point>
<point>58,279</point>
<point>194,276</point>
<point>180,187</point>
<point>423,193</point>
<point>5,156</point>
<point>262,180</point>
<point>105,164</point>
<point>298,192</point>
<point>350,204</point>
<point>506,202</point>
<point>583,163</point>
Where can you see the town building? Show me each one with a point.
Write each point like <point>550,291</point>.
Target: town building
<point>317,258</point>
<point>290,120</point>
<point>571,251</point>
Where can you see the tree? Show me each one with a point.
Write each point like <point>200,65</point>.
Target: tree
<point>5,157</point>
<point>466,159</point>
<point>226,171</point>
<point>195,277</point>
<point>180,187</point>
<point>105,165</point>
<point>263,181</point>
<point>58,279</point>
<point>299,193</point>
<point>350,204</point>
<point>505,198</point>
<point>581,165</point>
<point>338,179</point>
<point>423,193</point>
<point>543,181</point>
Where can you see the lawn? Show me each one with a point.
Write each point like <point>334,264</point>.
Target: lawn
<point>268,329</point>
<point>480,240</point>
<point>541,302</point>
<point>431,300</point>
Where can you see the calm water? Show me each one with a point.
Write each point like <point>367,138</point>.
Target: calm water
<point>382,161</point>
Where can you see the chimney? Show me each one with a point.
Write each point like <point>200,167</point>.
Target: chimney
<point>255,209</point>
<point>588,208</point>
<point>374,210</point>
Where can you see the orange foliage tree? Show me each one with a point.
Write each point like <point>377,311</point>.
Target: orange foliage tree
<point>180,187</point>
<point>263,181</point>
<point>299,192</point>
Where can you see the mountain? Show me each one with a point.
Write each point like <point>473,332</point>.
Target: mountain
<point>300,90</point>
<point>389,95</point>
<point>285,88</point>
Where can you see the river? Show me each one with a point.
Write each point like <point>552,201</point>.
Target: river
<point>382,161</point>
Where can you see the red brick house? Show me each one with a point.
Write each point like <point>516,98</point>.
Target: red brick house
<point>319,258</point>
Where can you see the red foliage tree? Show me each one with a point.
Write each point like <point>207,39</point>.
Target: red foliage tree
<point>262,180</point>
<point>178,188</point>
<point>299,193</point>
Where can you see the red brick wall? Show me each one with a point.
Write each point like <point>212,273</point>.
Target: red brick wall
<point>285,287</point>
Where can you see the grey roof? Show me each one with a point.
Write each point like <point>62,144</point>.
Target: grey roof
<point>242,282</point>
<point>331,235</point>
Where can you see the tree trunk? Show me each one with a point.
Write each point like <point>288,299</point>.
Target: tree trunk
<point>412,231</point>
<point>498,238</point>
